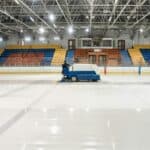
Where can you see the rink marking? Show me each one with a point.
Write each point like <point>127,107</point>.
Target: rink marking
<point>21,113</point>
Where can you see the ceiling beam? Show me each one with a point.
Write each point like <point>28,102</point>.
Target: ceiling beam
<point>140,19</point>
<point>68,11</point>
<point>120,12</point>
<point>16,20</point>
<point>5,33</point>
<point>8,27</point>
<point>113,11</point>
<point>60,8</point>
<point>29,9</point>
<point>91,3</point>
<point>136,7</point>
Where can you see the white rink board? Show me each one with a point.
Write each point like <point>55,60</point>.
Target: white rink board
<point>80,67</point>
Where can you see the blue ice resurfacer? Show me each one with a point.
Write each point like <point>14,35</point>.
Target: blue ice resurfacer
<point>78,75</point>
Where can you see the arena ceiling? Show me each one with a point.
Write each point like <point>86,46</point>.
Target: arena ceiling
<point>17,16</point>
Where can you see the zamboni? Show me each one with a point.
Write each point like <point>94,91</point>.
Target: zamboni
<point>75,76</point>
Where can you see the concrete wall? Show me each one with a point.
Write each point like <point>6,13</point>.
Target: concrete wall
<point>137,38</point>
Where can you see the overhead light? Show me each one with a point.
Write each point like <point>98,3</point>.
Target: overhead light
<point>70,29</point>
<point>17,2</point>
<point>51,17</point>
<point>141,30</point>
<point>1,39</point>
<point>87,30</point>
<point>21,30</point>
<point>56,38</point>
<point>27,38</point>
<point>31,18</point>
<point>42,39</point>
<point>41,30</point>
<point>128,17</point>
<point>93,17</point>
<point>87,17</point>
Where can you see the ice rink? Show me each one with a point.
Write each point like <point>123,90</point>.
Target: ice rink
<point>39,113</point>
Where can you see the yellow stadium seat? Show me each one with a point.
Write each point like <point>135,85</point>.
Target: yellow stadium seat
<point>34,46</point>
<point>59,57</point>
<point>1,51</point>
<point>136,57</point>
<point>139,46</point>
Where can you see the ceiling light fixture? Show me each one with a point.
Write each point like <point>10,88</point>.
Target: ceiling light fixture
<point>21,30</point>
<point>141,30</point>
<point>70,29</point>
<point>56,38</point>
<point>41,30</point>
<point>1,39</point>
<point>51,17</point>
<point>27,38</point>
<point>87,30</point>
<point>41,39</point>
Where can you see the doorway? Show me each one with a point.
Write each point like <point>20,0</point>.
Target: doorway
<point>92,59</point>
<point>121,44</point>
<point>71,44</point>
<point>102,60</point>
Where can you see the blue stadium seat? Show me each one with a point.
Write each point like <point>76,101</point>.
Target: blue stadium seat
<point>125,58</point>
<point>70,56</point>
<point>146,55</point>
<point>48,54</point>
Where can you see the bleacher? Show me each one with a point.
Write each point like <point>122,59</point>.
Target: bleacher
<point>125,58</point>
<point>136,57</point>
<point>81,55</point>
<point>146,55</point>
<point>1,51</point>
<point>47,57</point>
<point>70,56</point>
<point>43,55</point>
<point>59,57</point>
<point>26,57</point>
<point>113,56</point>
<point>141,46</point>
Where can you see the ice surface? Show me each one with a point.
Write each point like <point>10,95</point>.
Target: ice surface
<point>39,113</point>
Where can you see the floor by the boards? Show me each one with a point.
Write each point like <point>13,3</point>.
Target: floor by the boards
<point>39,113</point>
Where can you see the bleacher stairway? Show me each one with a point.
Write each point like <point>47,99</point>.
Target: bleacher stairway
<point>125,58</point>
<point>136,57</point>
<point>59,57</point>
